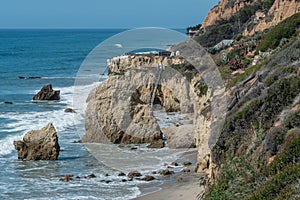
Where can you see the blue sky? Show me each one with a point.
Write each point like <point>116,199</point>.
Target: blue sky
<point>102,13</point>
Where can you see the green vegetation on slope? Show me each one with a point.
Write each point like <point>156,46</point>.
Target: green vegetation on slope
<point>285,29</point>
<point>256,158</point>
<point>274,187</point>
<point>229,28</point>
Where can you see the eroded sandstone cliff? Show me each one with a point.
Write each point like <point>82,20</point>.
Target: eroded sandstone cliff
<point>231,18</point>
<point>224,10</point>
<point>280,10</point>
<point>119,110</point>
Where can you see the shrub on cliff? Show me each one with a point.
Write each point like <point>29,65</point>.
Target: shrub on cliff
<point>229,28</point>
<point>285,29</point>
<point>258,151</point>
<point>267,4</point>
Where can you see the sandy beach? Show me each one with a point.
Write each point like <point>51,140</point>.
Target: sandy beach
<point>181,186</point>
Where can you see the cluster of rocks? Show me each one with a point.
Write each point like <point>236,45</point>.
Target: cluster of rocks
<point>70,177</point>
<point>41,144</point>
<point>133,175</point>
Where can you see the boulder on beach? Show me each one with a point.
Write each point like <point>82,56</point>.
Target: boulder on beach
<point>180,137</point>
<point>47,93</point>
<point>39,144</point>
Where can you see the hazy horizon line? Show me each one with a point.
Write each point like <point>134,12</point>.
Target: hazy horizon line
<point>72,28</point>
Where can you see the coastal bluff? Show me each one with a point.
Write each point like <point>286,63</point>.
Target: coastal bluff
<point>265,14</point>
<point>119,110</point>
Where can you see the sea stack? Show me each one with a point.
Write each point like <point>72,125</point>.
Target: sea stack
<point>47,93</point>
<point>39,144</point>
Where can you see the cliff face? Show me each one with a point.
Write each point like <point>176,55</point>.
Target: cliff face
<point>232,17</point>
<point>224,10</point>
<point>280,10</point>
<point>119,110</point>
<point>259,145</point>
<point>120,64</point>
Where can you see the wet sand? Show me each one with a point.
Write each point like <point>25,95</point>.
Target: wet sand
<point>181,186</point>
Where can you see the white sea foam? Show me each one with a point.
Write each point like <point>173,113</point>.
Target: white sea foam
<point>24,122</point>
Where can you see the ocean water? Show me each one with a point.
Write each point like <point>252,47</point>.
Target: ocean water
<point>55,56</point>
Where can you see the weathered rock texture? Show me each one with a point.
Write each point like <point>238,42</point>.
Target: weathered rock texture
<point>280,10</point>
<point>224,10</point>
<point>120,64</point>
<point>261,20</point>
<point>47,93</point>
<point>260,137</point>
<point>118,110</point>
<point>39,145</point>
<point>180,136</point>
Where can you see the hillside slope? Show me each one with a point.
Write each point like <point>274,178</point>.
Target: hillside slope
<point>257,155</point>
<point>231,18</point>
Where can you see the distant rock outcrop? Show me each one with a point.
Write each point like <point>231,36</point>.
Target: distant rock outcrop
<point>39,145</point>
<point>47,93</point>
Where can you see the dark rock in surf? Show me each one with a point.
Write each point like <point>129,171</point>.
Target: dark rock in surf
<point>90,176</point>
<point>47,93</point>
<point>34,77</point>
<point>67,178</point>
<point>39,144</point>
<point>186,163</point>
<point>147,178</point>
<point>166,172</point>
<point>8,102</point>
<point>134,174</point>
<point>121,174</point>
<point>106,181</point>
<point>30,77</point>
<point>69,110</point>
<point>186,170</point>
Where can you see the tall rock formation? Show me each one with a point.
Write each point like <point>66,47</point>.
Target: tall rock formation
<point>39,145</point>
<point>119,109</point>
